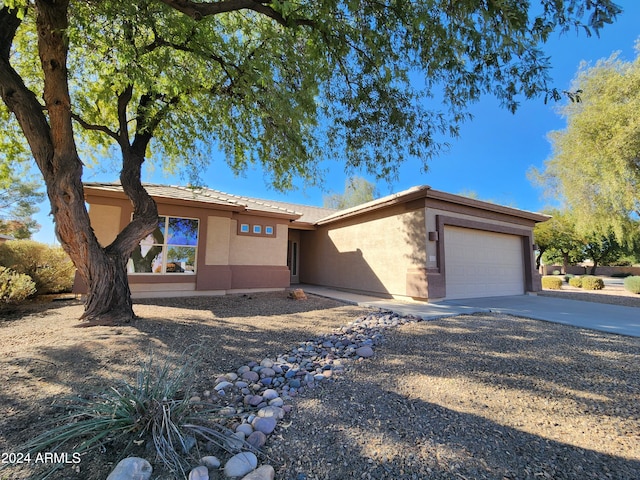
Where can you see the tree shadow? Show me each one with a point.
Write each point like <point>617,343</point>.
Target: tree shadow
<point>544,403</point>
<point>245,305</point>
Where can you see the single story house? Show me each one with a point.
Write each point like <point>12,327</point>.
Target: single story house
<point>418,244</point>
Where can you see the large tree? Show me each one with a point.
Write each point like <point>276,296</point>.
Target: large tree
<point>279,83</point>
<point>357,190</point>
<point>595,163</point>
<point>557,240</point>
<point>19,197</point>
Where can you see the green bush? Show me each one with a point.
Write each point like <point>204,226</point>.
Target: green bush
<point>552,282</point>
<point>592,283</point>
<point>14,287</point>
<point>556,272</point>
<point>632,284</point>
<point>576,282</point>
<point>50,267</point>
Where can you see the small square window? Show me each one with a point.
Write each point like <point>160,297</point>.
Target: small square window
<point>257,229</point>
<point>268,230</point>
<point>244,228</point>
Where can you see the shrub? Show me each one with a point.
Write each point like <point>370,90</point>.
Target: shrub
<point>158,410</point>
<point>568,277</point>
<point>556,272</point>
<point>632,284</point>
<point>552,282</point>
<point>14,287</point>
<point>49,267</point>
<point>621,274</point>
<point>576,282</point>
<point>592,283</point>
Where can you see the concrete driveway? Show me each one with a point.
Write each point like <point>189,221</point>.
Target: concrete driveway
<point>596,316</point>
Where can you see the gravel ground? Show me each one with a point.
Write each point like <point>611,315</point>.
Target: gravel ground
<point>470,397</point>
<point>475,397</point>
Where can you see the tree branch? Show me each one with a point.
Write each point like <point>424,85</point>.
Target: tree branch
<point>97,128</point>
<point>21,101</point>
<point>197,11</point>
<point>123,127</point>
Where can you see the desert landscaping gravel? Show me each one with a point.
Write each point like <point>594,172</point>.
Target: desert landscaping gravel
<point>469,397</point>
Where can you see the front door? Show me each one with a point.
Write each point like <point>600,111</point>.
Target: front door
<point>293,256</point>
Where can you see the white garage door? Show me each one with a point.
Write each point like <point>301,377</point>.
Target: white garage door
<point>482,264</point>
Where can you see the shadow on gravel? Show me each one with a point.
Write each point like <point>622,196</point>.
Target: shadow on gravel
<point>475,397</point>
<point>55,361</point>
<point>384,435</point>
<point>265,304</point>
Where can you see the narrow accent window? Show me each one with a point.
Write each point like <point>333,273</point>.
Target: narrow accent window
<point>244,228</point>
<point>170,248</point>
<point>257,229</point>
<point>268,230</point>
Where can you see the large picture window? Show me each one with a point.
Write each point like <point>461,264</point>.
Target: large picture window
<point>171,248</point>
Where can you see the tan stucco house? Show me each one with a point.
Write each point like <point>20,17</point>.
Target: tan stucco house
<point>420,243</point>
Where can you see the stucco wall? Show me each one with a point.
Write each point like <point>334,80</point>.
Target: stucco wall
<point>226,261</point>
<point>254,250</point>
<point>370,253</point>
<point>217,246</point>
<point>105,220</point>
<point>434,209</point>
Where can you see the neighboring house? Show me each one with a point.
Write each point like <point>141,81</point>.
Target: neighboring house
<point>5,238</point>
<point>420,243</point>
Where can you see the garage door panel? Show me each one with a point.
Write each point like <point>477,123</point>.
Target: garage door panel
<point>480,263</point>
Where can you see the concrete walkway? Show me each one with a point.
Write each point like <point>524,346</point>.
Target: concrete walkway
<point>595,316</point>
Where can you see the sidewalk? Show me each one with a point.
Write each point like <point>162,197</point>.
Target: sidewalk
<point>595,316</point>
<point>426,311</point>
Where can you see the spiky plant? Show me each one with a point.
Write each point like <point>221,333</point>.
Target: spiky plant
<point>157,409</point>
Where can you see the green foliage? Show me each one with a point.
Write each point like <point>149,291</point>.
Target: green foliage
<point>621,274</point>
<point>557,239</point>
<point>278,84</point>
<point>552,282</point>
<point>14,287</point>
<point>49,267</point>
<point>576,282</point>
<point>560,240</point>
<point>18,199</point>
<point>603,249</point>
<point>286,84</point>
<point>357,191</point>
<point>156,409</point>
<point>594,167</point>
<point>592,283</point>
<point>632,284</point>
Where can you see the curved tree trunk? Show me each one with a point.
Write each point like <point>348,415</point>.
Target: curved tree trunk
<point>49,132</point>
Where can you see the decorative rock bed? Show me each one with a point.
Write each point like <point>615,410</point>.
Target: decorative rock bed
<point>257,395</point>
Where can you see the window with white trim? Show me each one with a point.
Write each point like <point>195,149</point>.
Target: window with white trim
<point>170,248</point>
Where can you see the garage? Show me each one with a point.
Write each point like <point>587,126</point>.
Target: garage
<point>482,263</point>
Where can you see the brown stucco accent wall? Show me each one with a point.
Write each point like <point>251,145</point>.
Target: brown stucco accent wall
<point>399,250</point>
<point>226,261</point>
<point>435,275</point>
<point>375,252</point>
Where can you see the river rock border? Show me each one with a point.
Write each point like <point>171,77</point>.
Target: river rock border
<point>258,395</point>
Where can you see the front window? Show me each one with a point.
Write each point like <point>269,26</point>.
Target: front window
<point>170,248</point>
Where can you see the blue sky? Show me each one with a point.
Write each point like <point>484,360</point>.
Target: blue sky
<point>491,157</point>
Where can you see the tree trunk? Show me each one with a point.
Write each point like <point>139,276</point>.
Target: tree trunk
<point>49,132</point>
<point>565,263</point>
